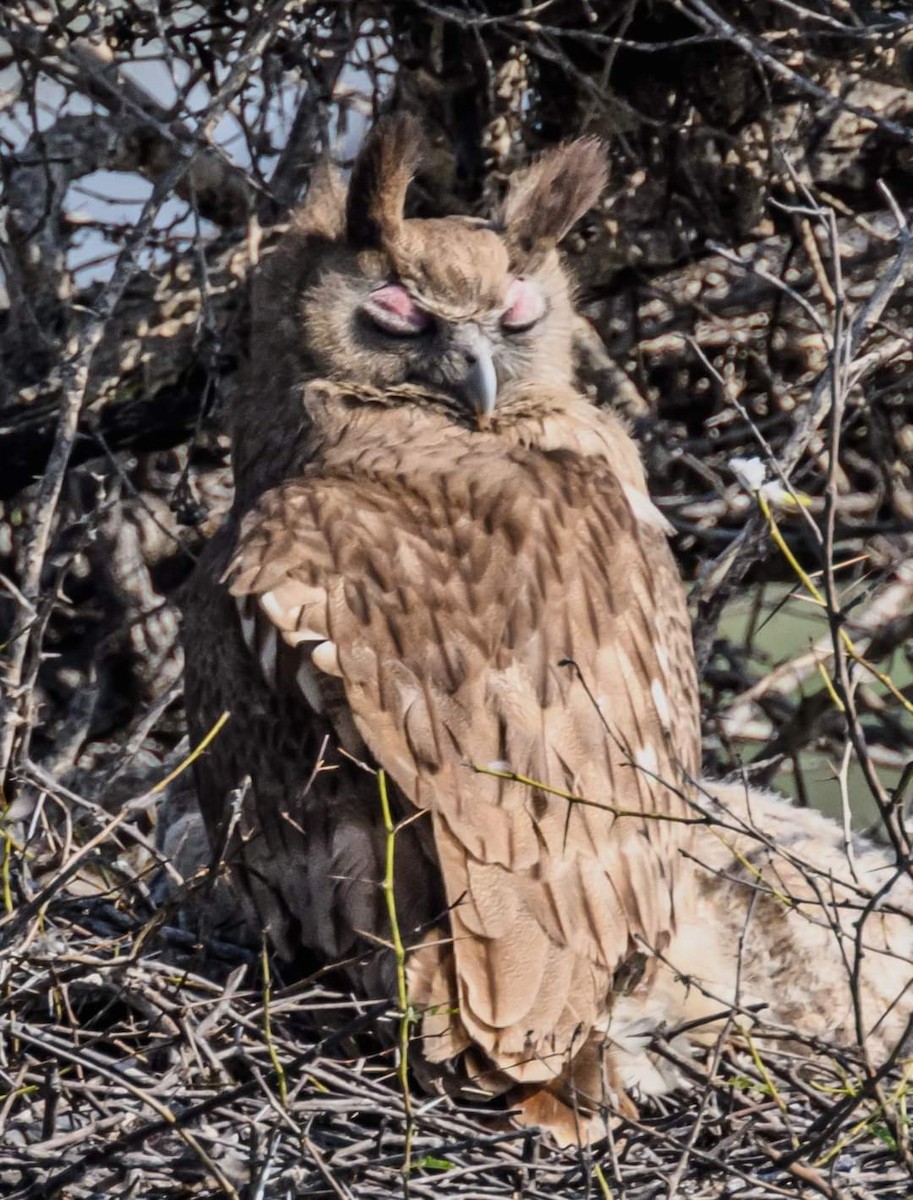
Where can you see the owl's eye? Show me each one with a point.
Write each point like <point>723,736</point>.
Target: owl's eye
<point>525,306</point>
<point>393,311</point>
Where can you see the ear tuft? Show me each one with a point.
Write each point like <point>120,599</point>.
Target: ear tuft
<point>543,202</point>
<point>320,215</point>
<point>380,179</point>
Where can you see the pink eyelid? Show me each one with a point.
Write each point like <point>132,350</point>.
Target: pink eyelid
<point>393,309</point>
<point>525,305</point>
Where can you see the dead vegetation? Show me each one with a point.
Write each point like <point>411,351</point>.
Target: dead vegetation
<point>747,286</point>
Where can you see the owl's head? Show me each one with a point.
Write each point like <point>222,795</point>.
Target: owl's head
<point>458,305</point>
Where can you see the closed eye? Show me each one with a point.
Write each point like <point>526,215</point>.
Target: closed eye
<point>393,311</point>
<point>525,306</point>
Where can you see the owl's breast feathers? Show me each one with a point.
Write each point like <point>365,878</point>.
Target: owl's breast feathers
<point>469,607</point>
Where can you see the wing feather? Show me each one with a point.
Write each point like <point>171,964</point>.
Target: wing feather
<point>441,608</point>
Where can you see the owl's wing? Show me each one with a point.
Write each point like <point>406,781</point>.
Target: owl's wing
<point>511,618</point>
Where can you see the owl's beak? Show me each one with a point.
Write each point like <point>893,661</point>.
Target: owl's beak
<point>479,384</point>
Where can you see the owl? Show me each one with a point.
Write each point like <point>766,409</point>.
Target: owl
<point>443,585</point>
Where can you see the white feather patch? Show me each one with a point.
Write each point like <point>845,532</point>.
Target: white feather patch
<point>326,658</point>
<point>661,657</point>
<point>645,757</point>
<point>272,607</point>
<point>661,700</point>
<point>645,510</point>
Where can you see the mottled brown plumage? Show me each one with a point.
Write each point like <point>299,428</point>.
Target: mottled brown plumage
<point>443,559</point>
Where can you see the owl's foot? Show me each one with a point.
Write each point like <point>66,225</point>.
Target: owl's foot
<point>553,1110</point>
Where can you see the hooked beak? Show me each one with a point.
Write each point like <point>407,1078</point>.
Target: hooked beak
<point>481,387</point>
<point>479,382</point>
